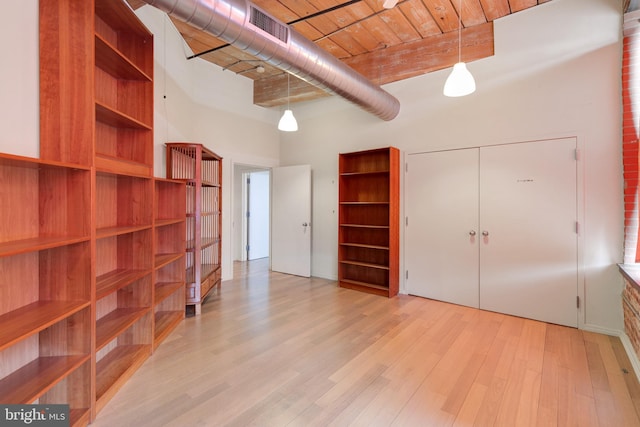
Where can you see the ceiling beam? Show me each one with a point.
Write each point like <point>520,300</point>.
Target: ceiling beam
<point>388,65</point>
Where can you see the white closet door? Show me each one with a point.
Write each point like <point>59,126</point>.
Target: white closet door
<point>528,259</point>
<point>442,210</point>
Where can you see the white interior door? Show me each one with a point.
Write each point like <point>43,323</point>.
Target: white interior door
<point>528,209</point>
<point>442,230</point>
<point>258,215</point>
<point>291,220</point>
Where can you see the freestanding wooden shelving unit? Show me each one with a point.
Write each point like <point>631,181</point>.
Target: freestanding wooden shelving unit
<point>369,216</point>
<point>201,169</point>
<point>104,247</point>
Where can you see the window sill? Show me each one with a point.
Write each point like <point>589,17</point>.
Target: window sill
<point>631,272</point>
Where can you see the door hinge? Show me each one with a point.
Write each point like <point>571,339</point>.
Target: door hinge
<point>406,167</point>
<point>577,302</point>
<point>247,248</point>
<point>577,154</point>
<point>577,227</point>
<point>406,221</point>
<point>248,180</point>
<point>406,275</point>
<point>248,214</point>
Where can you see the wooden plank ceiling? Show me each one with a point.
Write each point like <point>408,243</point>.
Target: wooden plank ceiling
<point>385,45</point>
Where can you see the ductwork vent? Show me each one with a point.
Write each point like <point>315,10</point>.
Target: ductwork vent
<point>245,26</point>
<point>269,25</point>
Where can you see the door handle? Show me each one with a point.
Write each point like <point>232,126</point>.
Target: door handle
<point>472,233</point>
<point>485,233</point>
<point>304,224</point>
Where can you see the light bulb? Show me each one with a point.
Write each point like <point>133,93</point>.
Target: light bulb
<point>460,82</point>
<point>288,122</point>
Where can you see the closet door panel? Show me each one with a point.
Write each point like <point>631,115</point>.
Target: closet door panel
<point>442,232</point>
<point>528,211</point>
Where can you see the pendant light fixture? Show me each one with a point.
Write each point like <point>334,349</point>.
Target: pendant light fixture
<point>287,122</point>
<point>460,82</point>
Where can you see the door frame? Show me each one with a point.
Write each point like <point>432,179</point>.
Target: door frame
<point>580,209</point>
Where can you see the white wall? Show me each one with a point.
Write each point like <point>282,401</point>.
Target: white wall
<point>19,86</point>
<point>555,72</point>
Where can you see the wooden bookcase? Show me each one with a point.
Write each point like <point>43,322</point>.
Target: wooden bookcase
<point>169,257</point>
<point>127,228</point>
<point>201,169</point>
<point>369,221</point>
<point>45,285</point>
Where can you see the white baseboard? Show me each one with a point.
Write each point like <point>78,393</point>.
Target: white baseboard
<point>631,353</point>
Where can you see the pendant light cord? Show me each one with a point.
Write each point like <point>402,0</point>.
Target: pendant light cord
<point>460,33</point>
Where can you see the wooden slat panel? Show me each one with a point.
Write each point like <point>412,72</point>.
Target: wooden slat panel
<point>418,15</point>
<point>443,13</point>
<point>417,58</point>
<point>494,9</point>
<point>400,25</point>
<point>518,5</point>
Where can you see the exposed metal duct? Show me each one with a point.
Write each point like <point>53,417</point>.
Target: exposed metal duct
<point>245,26</point>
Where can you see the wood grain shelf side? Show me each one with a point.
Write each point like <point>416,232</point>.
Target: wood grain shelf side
<point>117,279</point>
<point>34,318</point>
<point>163,259</point>
<point>165,289</point>
<point>34,379</point>
<point>165,322</point>
<point>114,323</point>
<point>115,368</point>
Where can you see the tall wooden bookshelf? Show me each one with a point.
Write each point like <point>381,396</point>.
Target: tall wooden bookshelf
<point>369,221</point>
<point>169,257</point>
<point>201,169</point>
<point>45,286</point>
<point>96,121</point>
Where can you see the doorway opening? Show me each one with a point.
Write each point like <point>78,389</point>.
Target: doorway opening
<point>251,213</point>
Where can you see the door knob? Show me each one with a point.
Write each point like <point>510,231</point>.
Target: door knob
<point>304,224</point>
<point>485,233</point>
<point>472,233</point>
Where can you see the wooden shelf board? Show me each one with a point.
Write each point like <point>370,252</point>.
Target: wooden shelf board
<point>209,184</point>
<point>360,245</point>
<point>33,318</point>
<point>347,174</point>
<point>209,241</point>
<point>37,377</point>
<point>31,163</point>
<point>363,203</point>
<point>365,264</point>
<point>167,221</point>
<point>109,59</point>
<point>206,271</point>
<point>103,232</point>
<point>364,226</point>
<point>79,416</point>
<point>349,283</point>
<point>163,259</point>
<point>34,244</point>
<point>116,279</point>
<point>205,242</point>
<point>106,163</point>
<point>114,323</point>
<point>165,322</point>
<point>164,289</point>
<point>116,367</point>
<point>118,119</point>
<point>119,17</point>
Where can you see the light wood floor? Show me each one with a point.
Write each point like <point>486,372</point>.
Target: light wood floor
<point>278,350</point>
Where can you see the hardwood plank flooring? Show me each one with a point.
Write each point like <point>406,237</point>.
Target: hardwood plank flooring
<point>276,350</point>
